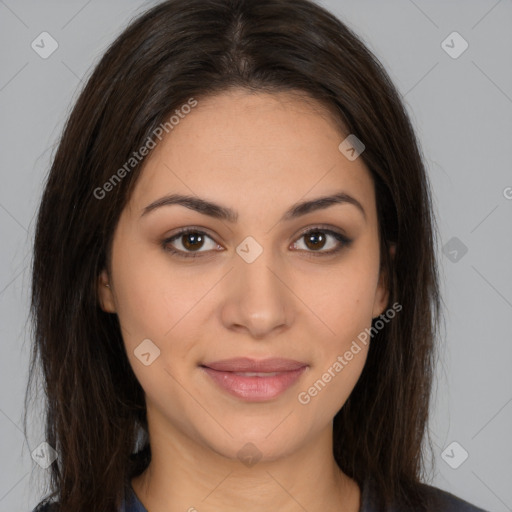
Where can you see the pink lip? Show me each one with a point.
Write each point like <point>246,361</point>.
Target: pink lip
<point>226,374</point>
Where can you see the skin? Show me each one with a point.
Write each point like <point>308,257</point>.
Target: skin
<point>258,154</point>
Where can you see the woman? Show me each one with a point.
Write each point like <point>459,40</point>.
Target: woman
<point>235,292</point>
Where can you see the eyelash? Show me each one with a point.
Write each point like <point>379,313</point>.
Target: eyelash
<point>344,241</point>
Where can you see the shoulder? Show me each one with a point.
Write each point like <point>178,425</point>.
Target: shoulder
<point>443,501</point>
<point>432,499</point>
<point>130,503</point>
<point>46,507</point>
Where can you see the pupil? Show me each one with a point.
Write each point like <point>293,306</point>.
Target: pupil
<point>195,237</point>
<point>317,237</point>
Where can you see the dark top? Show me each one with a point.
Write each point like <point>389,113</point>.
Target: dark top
<point>441,501</point>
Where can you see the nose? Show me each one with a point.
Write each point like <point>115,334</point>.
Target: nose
<point>257,300</point>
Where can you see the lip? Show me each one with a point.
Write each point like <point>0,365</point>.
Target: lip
<point>245,364</point>
<point>282,374</point>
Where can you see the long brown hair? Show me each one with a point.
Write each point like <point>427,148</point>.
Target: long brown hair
<point>182,49</point>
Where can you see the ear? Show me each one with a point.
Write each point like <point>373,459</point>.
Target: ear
<point>105,294</point>
<point>382,293</point>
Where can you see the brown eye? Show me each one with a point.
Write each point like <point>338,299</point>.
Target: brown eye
<point>192,240</point>
<point>316,239</point>
<point>188,242</point>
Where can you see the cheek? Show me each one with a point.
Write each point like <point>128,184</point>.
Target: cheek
<point>151,296</point>
<point>341,298</point>
<point>332,380</point>
<point>159,303</point>
<point>338,366</point>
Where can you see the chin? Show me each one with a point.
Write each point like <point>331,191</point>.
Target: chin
<point>258,444</point>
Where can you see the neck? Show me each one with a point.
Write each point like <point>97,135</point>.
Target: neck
<point>186,476</point>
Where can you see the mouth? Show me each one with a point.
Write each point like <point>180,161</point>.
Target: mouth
<point>253,380</point>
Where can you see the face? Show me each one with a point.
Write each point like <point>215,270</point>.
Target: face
<point>268,282</point>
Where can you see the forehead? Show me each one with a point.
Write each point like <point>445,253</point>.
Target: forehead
<point>242,147</point>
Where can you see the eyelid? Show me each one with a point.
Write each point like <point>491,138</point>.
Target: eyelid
<point>328,228</point>
<point>185,231</point>
<point>337,233</point>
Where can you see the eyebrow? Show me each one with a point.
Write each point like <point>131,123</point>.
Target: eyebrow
<point>224,213</point>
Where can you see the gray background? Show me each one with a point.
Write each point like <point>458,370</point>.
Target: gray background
<point>462,111</point>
